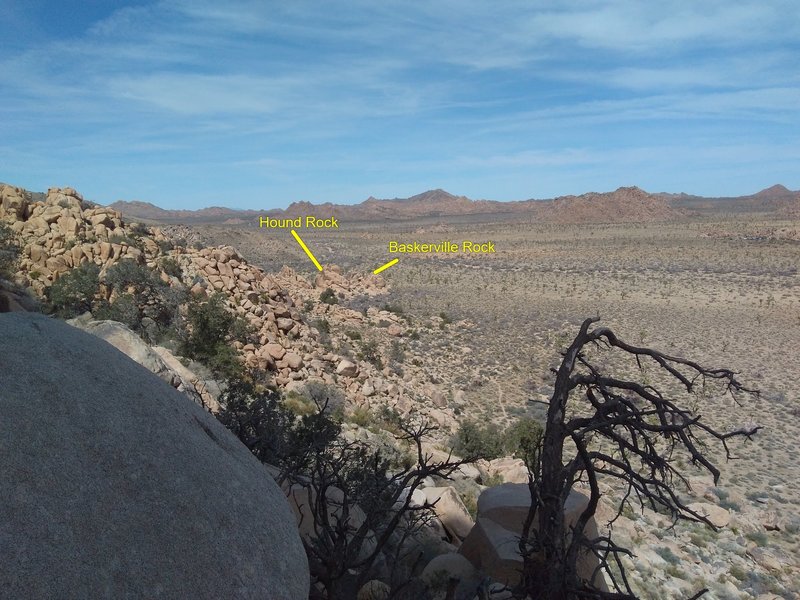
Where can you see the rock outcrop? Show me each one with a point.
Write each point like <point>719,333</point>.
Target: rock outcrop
<point>157,360</point>
<point>115,485</point>
<point>493,544</point>
<point>295,337</point>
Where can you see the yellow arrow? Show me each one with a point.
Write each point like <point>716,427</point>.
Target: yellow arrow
<point>304,247</point>
<point>392,262</point>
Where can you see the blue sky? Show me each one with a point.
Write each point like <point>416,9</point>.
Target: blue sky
<point>256,104</point>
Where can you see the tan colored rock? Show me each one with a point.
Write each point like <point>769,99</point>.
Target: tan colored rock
<point>347,368</point>
<point>394,330</point>
<point>37,226</point>
<point>13,202</point>
<point>510,470</point>
<point>492,545</point>
<point>100,219</point>
<point>51,214</point>
<point>225,270</point>
<point>68,225</point>
<point>57,264</point>
<point>37,254</point>
<point>303,497</point>
<point>77,255</point>
<point>285,324</point>
<point>718,516</point>
<point>438,398</point>
<point>294,360</point>
<point>450,510</point>
<point>765,558</point>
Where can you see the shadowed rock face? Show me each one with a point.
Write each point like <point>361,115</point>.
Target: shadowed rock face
<point>114,485</point>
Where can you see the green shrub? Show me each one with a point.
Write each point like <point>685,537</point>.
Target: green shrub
<point>360,416</point>
<point>668,555</point>
<point>325,396</point>
<point>328,297</point>
<point>322,325</point>
<point>210,327</point>
<point>393,308</point>
<point>470,501</point>
<point>171,267</point>
<point>116,238</point>
<point>73,292</point>
<point>9,251</point>
<point>129,273</point>
<point>124,310</point>
<point>370,352</point>
<point>523,439</point>
<point>759,537</point>
<point>137,230</point>
<point>389,418</point>
<point>475,440</point>
<point>396,352</point>
<point>298,404</point>
<point>156,303</point>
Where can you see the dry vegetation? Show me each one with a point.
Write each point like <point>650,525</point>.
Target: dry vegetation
<point>725,292</point>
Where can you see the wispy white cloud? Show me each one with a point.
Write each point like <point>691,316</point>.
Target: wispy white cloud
<point>388,90</point>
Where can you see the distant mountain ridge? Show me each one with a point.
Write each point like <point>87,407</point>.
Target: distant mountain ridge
<point>625,204</point>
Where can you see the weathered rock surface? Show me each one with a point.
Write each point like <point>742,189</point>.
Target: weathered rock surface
<point>115,485</point>
<point>719,517</point>
<point>160,361</point>
<point>450,510</point>
<point>492,545</point>
<point>447,569</point>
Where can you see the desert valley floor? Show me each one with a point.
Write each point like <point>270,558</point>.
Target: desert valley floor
<point>723,290</point>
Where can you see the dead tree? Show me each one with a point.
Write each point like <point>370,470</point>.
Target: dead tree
<point>621,429</point>
<point>344,548</point>
<point>358,505</point>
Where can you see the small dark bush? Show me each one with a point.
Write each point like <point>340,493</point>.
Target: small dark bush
<point>473,439</point>
<point>9,251</point>
<point>523,438</point>
<point>393,308</point>
<point>124,310</point>
<point>130,273</point>
<point>171,267</point>
<point>210,326</point>
<point>328,297</point>
<point>322,325</point>
<point>370,352</point>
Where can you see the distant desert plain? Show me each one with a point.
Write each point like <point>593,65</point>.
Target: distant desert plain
<point>712,279</point>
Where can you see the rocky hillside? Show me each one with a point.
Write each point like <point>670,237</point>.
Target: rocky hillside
<point>625,205</point>
<point>145,211</point>
<point>296,338</point>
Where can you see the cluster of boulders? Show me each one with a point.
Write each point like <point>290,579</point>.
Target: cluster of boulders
<point>63,231</point>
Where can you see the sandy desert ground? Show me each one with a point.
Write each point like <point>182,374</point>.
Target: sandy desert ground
<point>722,291</point>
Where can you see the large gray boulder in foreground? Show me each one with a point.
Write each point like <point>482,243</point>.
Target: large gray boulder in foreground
<point>114,485</point>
